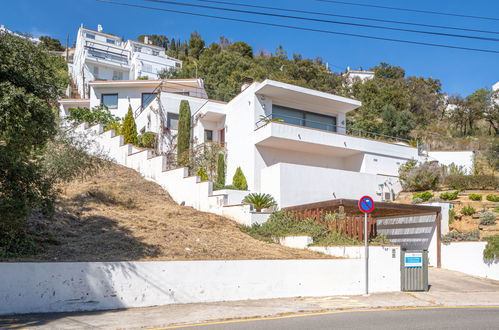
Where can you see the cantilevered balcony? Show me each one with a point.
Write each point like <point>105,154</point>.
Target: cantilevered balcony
<point>298,134</point>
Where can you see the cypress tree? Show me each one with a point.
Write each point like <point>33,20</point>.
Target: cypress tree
<point>184,129</point>
<point>239,180</point>
<point>129,129</point>
<point>221,170</point>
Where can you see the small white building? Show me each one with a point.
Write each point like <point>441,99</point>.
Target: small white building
<point>104,56</point>
<point>352,76</point>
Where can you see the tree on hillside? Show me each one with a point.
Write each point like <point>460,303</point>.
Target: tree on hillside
<point>184,131</point>
<point>129,129</point>
<point>51,44</point>
<point>396,123</point>
<point>196,44</point>
<point>35,155</point>
<point>220,170</point>
<point>491,114</point>
<point>241,48</point>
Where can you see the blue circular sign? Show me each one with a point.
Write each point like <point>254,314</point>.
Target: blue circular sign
<point>366,204</point>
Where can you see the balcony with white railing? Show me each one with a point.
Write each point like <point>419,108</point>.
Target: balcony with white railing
<point>299,134</point>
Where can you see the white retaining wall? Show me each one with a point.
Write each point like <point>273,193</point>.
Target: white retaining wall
<point>84,286</point>
<point>467,257</point>
<point>185,190</point>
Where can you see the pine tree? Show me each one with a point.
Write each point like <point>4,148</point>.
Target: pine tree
<point>239,180</point>
<point>129,129</point>
<point>221,170</point>
<point>184,130</point>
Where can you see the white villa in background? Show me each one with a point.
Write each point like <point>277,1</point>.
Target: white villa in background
<point>32,39</point>
<point>104,56</point>
<point>357,75</point>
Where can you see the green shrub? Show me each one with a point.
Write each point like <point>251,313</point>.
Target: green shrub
<point>492,198</point>
<point>452,215</point>
<point>468,210</point>
<point>491,251</point>
<point>217,186</point>
<point>202,174</point>
<point>466,236</point>
<point>129,128</point>
<point>472,181</point>
<point>336,239</point>
<point>417,177</point>
<point>147,140</point>
<point>425,195</point>
<point>475,197</point>
<point>448,196</point>
<point>496,209</point>
<point>417,200</point>
<point>487,219</point>
<point>113,125</point>
<point>281,224</point>
<point>221,169</point>
<point>97,115</point>
<point>239,180</point>
<point>380,239</point>
<point>259,201</point>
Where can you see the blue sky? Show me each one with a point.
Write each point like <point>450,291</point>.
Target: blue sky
<point>460,71</point>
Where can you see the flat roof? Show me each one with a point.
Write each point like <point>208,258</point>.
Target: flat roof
<point>297,94</point>
<point>381,209</point>
<point>192,83</point>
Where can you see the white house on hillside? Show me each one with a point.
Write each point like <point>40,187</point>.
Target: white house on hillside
<point>352,76</point>
<point>104,56</point>
<point>289,141</point>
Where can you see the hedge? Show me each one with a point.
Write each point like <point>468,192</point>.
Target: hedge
<point>472,181</point>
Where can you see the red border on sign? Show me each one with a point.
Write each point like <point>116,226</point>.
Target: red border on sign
<point>361,199</point>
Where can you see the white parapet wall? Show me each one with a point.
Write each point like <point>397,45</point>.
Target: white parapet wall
<point>467,257</point>
<point>297,242</point>
<point>86,286</point>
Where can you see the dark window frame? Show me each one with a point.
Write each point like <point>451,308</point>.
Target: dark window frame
<point>302,117</point>
<point>110,94</point>
<point>169,116</point>
<point>210,132</point>
<point>142,99</point>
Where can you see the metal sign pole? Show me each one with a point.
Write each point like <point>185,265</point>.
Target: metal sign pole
<point>366,242</point>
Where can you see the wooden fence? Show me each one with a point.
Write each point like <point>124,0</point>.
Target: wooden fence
<point>350,226</point>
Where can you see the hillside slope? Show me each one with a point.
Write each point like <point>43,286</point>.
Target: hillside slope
<point>117,215</point>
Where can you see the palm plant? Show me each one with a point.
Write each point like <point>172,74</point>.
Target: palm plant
<point>260,201</point>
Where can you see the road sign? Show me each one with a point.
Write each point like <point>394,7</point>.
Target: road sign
<point>366,204</point>
<point>413,260</point>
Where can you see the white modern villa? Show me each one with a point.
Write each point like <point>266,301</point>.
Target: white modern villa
<point>104,56</point>
<point>288,140</point>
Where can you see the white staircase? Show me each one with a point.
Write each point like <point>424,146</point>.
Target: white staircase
<point>184,189</point>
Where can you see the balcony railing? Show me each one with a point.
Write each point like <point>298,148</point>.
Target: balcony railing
<point>299,121</point>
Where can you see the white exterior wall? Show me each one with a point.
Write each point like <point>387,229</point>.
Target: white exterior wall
<point>293,184</point>
<point>240,121</point>
<point>85,286</point>
<point>467,257</point>
<point>126,96</point>
<point>459,158</point>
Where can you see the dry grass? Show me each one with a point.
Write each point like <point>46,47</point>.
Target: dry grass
<point>116,215</point>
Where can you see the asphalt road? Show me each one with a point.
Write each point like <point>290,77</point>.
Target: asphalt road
<point>434,318</point>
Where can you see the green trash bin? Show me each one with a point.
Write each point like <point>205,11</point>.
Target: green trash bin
<point>414,270</point>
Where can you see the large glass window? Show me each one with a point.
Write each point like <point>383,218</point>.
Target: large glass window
<point>304,118</point>
<point>108,56</point>
<point>147,98</point>
<point>172,120</point>
<point>110,100</point>
<point>111,41</point>
<point>90,36</point>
